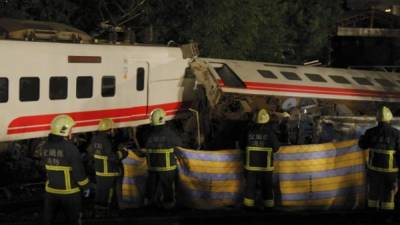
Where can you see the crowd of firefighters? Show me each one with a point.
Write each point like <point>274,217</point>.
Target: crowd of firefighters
<point>67,179</point>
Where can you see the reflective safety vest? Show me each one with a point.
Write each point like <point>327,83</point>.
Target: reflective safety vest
<point>259,159</point>
<point>61,178</point>
<point>103,166</point>
<point>161,159</point>
<point>382,160</point>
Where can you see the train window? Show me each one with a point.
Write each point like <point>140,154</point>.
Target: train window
<point>58,88</point>
<point>228,75</point>
<point>84,87</point>
<point>291,76</point>
<point>385,83</point>
<point>29,89</point>
<point>363,81</point>
<point>140,79</point>
<point>267,74</point>
<point>315,77</point>
<point>339,79</point>
<point>3,89</point>
<point>108,86</point>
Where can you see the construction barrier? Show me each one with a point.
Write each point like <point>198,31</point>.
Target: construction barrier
<point>321,176</point>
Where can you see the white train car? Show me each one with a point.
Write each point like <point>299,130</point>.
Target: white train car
<point>316,97</point>
<point>307,81</point>
<point>39,80</point>
<point>252,81</point>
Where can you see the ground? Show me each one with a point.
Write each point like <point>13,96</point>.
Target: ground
<point>28,212</point>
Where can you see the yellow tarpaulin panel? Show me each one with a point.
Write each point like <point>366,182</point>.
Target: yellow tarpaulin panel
<point>209,179</point>
<point>322,176</point>
<point>330,175</point>
<point>134,181</point>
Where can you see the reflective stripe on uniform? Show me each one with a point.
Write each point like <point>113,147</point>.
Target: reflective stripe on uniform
<point>105,172</point>
<point>390,153</point>
<point>267,168</point>
<point>62,191</point>
<point>83,182</point>
<point>67,180</point>
<point>387,205</point>
<point>162,169</point>
<point>249,202</point>
<point>160,150</point>
<point>269,203</point>
<point>373,203</point>
<point>167,152</point>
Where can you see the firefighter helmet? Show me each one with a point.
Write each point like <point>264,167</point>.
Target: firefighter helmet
<point>262,116</point>
<point>384,114</point>
<point>62,125</point>
<point>157,117</point>
<point>105,124</point>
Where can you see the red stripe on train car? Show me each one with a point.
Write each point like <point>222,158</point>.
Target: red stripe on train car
<point>28,129</point>
<point>89,118</point>
<point>319,90</point>
<point>91,115</point>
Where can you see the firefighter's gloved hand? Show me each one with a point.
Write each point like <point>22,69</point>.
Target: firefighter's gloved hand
<point>86,193</point>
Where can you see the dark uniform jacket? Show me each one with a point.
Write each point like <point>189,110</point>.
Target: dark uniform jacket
<point>261,142</point>
<point>383,142</point>
<point>159,146</point>
<point>65,171</point>
<point>107,160</point>
<point>284,131</point>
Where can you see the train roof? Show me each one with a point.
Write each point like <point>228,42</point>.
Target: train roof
<point>29,29</point>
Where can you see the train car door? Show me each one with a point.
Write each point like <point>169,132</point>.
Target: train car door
<point>137,74</point>
<point>139,70</point>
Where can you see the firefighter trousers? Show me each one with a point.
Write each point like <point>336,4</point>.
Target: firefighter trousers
<point>256,180</point>
<point>160,187</point>
<point>69,205</point>
<point>106,191</point>
<point>382,188</point>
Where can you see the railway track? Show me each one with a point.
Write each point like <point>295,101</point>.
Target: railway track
<point>206,217</point>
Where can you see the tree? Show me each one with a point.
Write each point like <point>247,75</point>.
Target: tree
<point>47,10</point>
<point>275,30</point>
<point>271,42</point>
<point>311,24</point>
<point>225,29</point>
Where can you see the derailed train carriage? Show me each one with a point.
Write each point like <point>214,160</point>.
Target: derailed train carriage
<point>211,99</point>
<point>325,104</point>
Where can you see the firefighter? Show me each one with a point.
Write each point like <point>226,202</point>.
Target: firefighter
<point>261,143</point>
<point>107,164</point>
<point>65,173</point>
<point>383,142</point>
<point>159,148</point>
